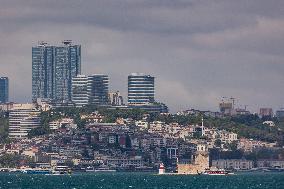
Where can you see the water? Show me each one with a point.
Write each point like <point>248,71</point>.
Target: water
<point>142,181</point>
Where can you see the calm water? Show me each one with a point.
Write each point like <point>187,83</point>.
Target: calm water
<point>142,181</point>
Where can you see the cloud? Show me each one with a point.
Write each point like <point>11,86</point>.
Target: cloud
<point>198,50</point>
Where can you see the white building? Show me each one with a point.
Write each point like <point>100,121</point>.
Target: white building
<point>142,124</point>
<point>135,161</point>
<point>68,122</point>
<point>270,164</point>
<point>238,164</point>
<point>21,121</point>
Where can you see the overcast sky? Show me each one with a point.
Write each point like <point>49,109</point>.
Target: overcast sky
<point>198,50</point>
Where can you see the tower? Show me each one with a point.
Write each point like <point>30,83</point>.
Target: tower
<point>141,89</point>
<point>4,89</point>
<point>53,68</point>
<point>79,90</point>
<point>98,88</point>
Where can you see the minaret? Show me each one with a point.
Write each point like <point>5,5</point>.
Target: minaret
<point>202,127</point>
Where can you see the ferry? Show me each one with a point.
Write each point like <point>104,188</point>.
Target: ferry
<point>37,171</point>
<point>216,171</point>
<point>104,169</point>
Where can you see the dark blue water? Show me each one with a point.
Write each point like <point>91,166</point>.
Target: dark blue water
<point>142,181</point>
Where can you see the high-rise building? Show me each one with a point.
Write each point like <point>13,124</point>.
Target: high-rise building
<point>4,89</point>
<point>98,88</point>
<point>67,66</point>
<point>115,99</point>
<point>42,71</point>
<point>53,68</point>
<point>141,89</point>
<point>79,90</point>
<point>21,121</point>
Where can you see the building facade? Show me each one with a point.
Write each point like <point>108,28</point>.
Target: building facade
<point>79,90</point>
<point>4,89</point>
<point>237,164</point>
<point>53,68</point>
<point>280,114</point>
<point>266,112</point>
<point>98,89</point>
<point>141,89</point>
<point>21,121</point>
<point>115,99</point>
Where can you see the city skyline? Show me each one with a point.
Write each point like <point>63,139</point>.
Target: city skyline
<point>198,51</point>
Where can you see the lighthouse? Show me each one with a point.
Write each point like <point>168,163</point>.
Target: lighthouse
<point>161,169</point>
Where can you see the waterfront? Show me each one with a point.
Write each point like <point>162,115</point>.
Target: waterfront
<point>142,181</point>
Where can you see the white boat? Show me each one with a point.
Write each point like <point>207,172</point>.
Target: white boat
<point>104,169</point>
<point>216,171</point>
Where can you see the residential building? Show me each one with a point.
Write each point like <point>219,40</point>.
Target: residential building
<point>43,66</point>
<point>79,90</point>
<point>4,89</point>
<point>98,89</point>
<point>53,68</point>
<point>265,112</point>
<point>141,89</point>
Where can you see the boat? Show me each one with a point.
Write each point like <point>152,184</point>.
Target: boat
<point>216,171</point>
<point>61,170</point>
<point>90,169</point>
<point>37,171</point>
<point>104,169</point>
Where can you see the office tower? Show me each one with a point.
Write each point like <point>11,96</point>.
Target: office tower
<point>141,89</point>
<point>21,121</point>
<point>4,89</point>
<point>79,90</point>
<point>98,89</point>
<point>53,68</point>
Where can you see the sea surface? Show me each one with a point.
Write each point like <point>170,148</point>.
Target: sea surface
<point>142,181</point>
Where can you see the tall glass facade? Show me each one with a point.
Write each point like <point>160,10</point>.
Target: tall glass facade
<point>141,89</point>
<point>4,89</point>
<point>98,88</point>
<point>79,90</point>
<point>42,71</point>
<point>53,68</point>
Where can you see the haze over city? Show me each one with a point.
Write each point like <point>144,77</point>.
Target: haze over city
<point>198,51</point>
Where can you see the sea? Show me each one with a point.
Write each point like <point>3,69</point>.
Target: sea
<point>118,180</point>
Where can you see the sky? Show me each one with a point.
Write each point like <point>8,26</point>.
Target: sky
<point>198,50</point>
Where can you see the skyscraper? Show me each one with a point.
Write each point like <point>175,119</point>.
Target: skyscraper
<point>4,89</point>
<point>141,89</point>
<point>79,90</point>
<point>42,71</point>
<point>98,89</point>
<point>53,68</point>
<point>67,66</point>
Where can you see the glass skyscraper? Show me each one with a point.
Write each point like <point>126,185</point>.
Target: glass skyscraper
<point>53,68</point>
<point>4,89</point>
<point>141,89</point>
<point>98,88</point>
